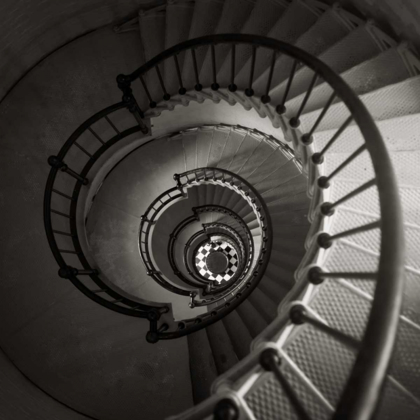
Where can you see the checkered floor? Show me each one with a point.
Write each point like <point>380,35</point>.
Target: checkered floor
<point>227,249</point>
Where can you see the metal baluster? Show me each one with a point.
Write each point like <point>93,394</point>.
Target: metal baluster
<point>325,240</point>
<point>95,135</point>
<point>317,158</point>
<point>324,181</point>
<point>62,194</point>
<point>270,361</point>
<point>295,122</point>
<point>299,315</point>
<point>67,272</point>
<point>68,251</point>
<point>266,98</point>
<point>59,232</point>
<point>61,214</point>
<point>166,96</point>
<point>215,85</point>
<point>198,86</point>
<point>182,90</point>
<point>226,409</point>
<point>82,149</point>
<point>327,208</point>
<point>249,91</point>
<point>58,164</point>
<point>232,87</point>
<point>281,109</point>
<point>112,124</point>
<point>316,276</point>
<point>307,138</point>
<point>124,83</point>
<point>152,103</point>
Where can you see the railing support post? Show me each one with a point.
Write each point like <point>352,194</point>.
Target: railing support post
<point>128,98</point>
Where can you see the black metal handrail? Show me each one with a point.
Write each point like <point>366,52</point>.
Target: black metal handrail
<point>148,219</point>
<point>379,337</point>
<point>364,384</point>
<point>200,283</point>
<point>68,197</point>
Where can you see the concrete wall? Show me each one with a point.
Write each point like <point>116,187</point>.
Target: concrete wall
<point>30,30</point>
<point>92,359</point>
<point>398,17</point>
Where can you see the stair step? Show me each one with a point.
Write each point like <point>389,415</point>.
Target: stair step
<point>234,15</point>
<point>296,20</point>
<point>286,173</point>
<point>221,346</point>
<point>279,275</point>
<point>178,22</point>
<point>253,320</point>
<point>342,310</point>
<point>275,161</point>
<point>358,46</point>
<point>261,154</point>
<point>189,144</point>
<point>152,30</point>
<point>363,78</point>
<point>239,334</point>
<point>202,366</point>
<point>210,192</point>
<point>232,145</point>
<point>397,100</point>
<point>289,202</point>
<point>204,22</point>
<point>246,149</point>
<point>404,164</point>
<point>264,15</point>
<point>275,290</point>
<point>396,403</point>
<point>323,34</point>
<point>264,305</point>
<point>204,139</point>
<point>220,136</point>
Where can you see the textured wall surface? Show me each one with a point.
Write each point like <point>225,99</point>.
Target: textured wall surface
<point>399,16</point>
<point>29,29</point>
<point>90,358</point>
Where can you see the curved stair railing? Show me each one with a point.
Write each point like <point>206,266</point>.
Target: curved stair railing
<point>374,350</point>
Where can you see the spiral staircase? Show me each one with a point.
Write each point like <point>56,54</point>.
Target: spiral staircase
<point>228,236</point>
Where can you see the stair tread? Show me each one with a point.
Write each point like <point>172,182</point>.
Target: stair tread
<point>202,366</point>
<point>356,47</point>
<point>320,36</point>
<point>220,136</point>
<point>178,22</point>
<point>246,149</point>
<point>357,80</point>
<point>296,20</point>
<point>388,102</point>
<point>189,144</point>
<point>232,145</point>
<point>265,306</point>
<point>264,15</point>
<point>274,162</point>
<point>223,352</point>
<point>253,320</point>
<point>239,334</point>
<point>204,21</point>
<point>234,14</point>
<point>152,30</point>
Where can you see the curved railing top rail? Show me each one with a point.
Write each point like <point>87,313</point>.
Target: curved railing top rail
<point>379,336</point>
<point>65,198</point>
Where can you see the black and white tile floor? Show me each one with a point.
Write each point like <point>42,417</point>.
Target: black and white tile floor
<point>220,246</point>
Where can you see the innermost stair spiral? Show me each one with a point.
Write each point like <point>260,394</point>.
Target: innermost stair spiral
<point>217,261</point>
